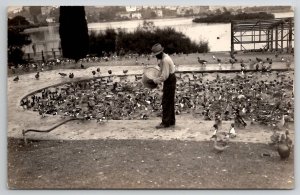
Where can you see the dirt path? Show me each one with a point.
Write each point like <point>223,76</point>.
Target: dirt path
<point>187,128</point>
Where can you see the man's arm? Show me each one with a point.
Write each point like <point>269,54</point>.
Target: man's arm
<point>165,71</point>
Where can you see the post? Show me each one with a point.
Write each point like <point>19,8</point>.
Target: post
<point>232,34</point>
<point>282,36</point>
<point>290,36</point>
<point>268,40</point>
<point>43,58</point>
<point>53,53</point>
<point>272,40</point>
<point>259,38</point>
<point>254,38</point>
<point>241,39</point>
<point>276,38</point>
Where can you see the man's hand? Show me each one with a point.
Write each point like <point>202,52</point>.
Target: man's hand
<point>156,81</point>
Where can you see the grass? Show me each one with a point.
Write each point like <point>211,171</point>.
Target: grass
<point>145,164</point>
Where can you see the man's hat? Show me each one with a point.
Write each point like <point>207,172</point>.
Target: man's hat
<point>157,49</point>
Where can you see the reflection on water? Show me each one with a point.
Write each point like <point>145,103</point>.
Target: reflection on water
<point>217,35</point>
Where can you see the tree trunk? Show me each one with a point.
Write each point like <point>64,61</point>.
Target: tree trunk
<point>73,32</point>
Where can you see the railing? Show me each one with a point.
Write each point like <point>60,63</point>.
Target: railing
<point>43,55</point>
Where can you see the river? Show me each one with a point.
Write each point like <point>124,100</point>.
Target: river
<point>217,35</point>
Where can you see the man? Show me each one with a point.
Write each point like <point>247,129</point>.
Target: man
<point>167,76</point>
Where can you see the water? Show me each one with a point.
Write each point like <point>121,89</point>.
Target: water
<point>217,35</point>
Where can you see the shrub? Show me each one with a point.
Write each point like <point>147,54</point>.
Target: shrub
<point>227,17</point>
<point>140,41</point>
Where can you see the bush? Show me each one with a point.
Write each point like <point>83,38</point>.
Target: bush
<point>140,41</point>
<point>16,40</point>
<point>227,17</point>
<point>102,42</point>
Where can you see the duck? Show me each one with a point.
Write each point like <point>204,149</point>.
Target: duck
<point>202,62</point>
<point>288,140</point>
<point>109,71</point>
<point>280,124</point>
<point>283,149</point>
<point>258,60</point>
<point>275,138</point>
<point>98,69</point>
<point>37,76</point>
<point>94,72</point>
<point>71,75</point>
<point>232,61</point>
<point>62,74</point>
<point>218,148</point>
<point>16,79</point>
<point>125,71</point>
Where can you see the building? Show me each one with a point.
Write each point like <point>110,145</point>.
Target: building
<point>130,8</point>
<point>50,19</point>
<point>18,10</point>
<point>181,11</point>
<point>173,8</point>
<point>204,9</point>
<point>136,15</point>
<point>123,15</point>
<point>196,9</point>
<point>138,8</point>
<point>45,10</point>
<point>159,13</point>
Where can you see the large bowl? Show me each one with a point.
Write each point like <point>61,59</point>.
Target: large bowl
<point>148,76</point>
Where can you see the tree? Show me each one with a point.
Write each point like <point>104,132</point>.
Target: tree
<point>153,14</point>
<point>16,39</point>
<point>73,32</point>
<point>17,21</point>
<point>35,11</point>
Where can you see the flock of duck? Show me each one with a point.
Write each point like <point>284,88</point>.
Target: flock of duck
<point>264,97</point>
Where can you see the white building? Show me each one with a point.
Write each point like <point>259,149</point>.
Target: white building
<point>50,19</point>
<point>124,15</point>
<point>181,11</point>
<point>136,15</point>
<point>45,10</point>
<point>131,8</point>
<point>173,8</point>
<point>196,9</point>
<point>159,13</point>
<point>17,10</point>
<point>138,8</point>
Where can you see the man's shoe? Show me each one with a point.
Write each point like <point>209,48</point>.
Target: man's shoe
<point>161,126</point>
